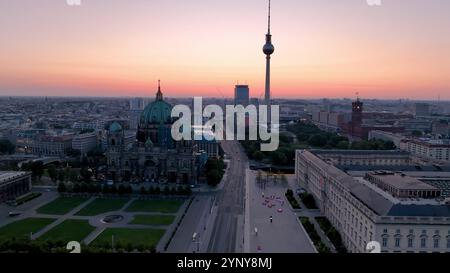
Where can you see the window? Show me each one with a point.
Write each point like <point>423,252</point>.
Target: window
<point>448,243</point>
<point>385,230</point>
<point>410,242</point>
<point>423,242</point>
<point>385,242</point>
<point>397,242</point>
<point>436,243</point>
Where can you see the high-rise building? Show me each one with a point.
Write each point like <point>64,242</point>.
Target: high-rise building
<point>136,108</point>
<point>422,109</point>
<point>241,95</point>
<point>268,50</point>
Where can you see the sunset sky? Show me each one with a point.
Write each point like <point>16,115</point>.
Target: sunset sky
<point>323,48</point>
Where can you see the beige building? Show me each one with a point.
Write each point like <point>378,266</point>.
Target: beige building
<point>84,142</point>
<point>363,212</point>
<point>429,149</point>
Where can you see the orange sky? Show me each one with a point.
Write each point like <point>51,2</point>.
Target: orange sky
<point>203,47</point>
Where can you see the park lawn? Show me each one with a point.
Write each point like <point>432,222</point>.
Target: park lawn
<point>147,238</point>
<point>62,205</point>
<point>21,229</point>
<point>99,206</point>
<point>69,230</point>
<point>156,205</point>
<point>156,220</point>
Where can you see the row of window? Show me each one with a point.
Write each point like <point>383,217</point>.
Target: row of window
<point>410,241</point>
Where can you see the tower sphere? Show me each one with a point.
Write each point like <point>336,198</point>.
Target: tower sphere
<point>268,49</point>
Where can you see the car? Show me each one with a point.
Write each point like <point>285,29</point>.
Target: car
<point>300,191</point>
<point>14,213</point>
<point>192,186</point>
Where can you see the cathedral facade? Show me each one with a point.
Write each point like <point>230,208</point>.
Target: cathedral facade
<point>154,156</point>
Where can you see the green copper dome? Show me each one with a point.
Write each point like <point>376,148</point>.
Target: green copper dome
<point>149,143</point>
<point>115,127</point>
<point>157,112</point>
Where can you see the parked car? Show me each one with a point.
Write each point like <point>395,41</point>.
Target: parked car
<point>300,191</point>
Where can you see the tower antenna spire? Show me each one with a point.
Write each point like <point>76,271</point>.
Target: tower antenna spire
<point>268,25</point>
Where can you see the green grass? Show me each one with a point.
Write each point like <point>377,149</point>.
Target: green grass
<point>62,205</point>
<point>99,206</point>
<point>147,238</point>
<point>21,229</point>
<point>156,220</point>
<point>69,230</point>
<point>157,205</point>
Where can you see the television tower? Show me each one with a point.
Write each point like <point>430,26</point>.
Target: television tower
<point>268,50</point>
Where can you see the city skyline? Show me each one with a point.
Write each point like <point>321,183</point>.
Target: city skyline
<point>324,49</point>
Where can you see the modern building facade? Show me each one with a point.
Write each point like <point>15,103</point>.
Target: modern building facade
<point>241,95</point>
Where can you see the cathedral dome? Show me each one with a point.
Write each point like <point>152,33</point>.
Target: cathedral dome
<point>115,127</point>
<point>157,112</point>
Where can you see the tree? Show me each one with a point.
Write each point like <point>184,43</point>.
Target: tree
<point>76,188</point>
<point>105,189</point>
<point>173,191</point>
<point>213,177</point>
<point>62,187</point>
<point>86,174</point>
<point>52,173</point>
<point>73,176</point>
<point>166,190</point>
<point>121,189</point>
<point>6,147</point>
<point>61,175</point>
<point>317,140</point>
<point>143,191</point>
<point>342,145</point>
<point>258,155</point>
<point>37,169</point>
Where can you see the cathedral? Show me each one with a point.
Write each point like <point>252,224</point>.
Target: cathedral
<point>154,156</point>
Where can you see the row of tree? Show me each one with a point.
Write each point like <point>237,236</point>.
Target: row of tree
<point>121,189</point>
<point>303,136</point>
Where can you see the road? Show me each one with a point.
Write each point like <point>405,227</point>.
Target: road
<point>230,203</point>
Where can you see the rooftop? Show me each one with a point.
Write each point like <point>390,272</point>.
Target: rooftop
<point>401,181</point>
<point>5,176</point>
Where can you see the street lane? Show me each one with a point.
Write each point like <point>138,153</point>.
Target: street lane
<point>230,201</point>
